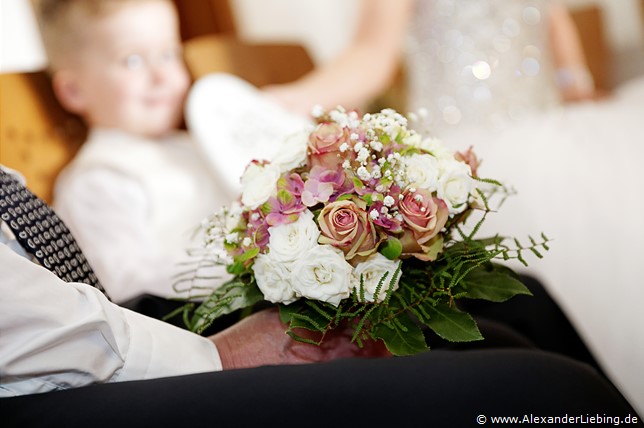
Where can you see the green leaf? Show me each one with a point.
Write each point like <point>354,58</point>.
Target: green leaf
<point>231,296</point>
<point>266,208</point>
<point>452,324</point>
<point>306,315</point>
<point>496,284</point>
<point>391,248</point>
<point>433,247</point>
<point>357,183</point>
<point>285,197</point>
<point>302,315</point>
<point>402,337</point>
<point>236,268</point>
<point>248,254</point>
<point>286,312</point>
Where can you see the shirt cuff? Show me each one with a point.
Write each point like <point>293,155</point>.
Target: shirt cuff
<point>158,349</point>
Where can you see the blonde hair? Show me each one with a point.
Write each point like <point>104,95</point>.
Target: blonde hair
<point>61,23</point>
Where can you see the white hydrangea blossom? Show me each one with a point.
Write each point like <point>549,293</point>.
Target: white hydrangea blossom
<point>389,201</point>
<point>232,238</point>
<point>317,110</point>
<point>363,173</point>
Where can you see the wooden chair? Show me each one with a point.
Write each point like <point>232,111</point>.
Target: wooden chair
<point>37,137</point>
<point>259,64</point>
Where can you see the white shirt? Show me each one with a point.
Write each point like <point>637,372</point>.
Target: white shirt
<point>134,204</point>
<point>57,335</point>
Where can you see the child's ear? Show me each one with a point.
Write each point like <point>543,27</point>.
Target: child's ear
<point>68,91</point>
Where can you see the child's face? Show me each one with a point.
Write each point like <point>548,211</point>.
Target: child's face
<point>131,75</point>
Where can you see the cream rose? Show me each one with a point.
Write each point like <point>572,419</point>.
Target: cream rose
<point>324,145</point>
<point>259,183</point>
<point>322,274</point>
<point>274,279</point>
<point>430,145</point>
<point>413,139</point>
<point>292,152</point>
<point>288,241</point>
<point>372,270</point>
<point>422,171</point>
<point>455,185</point>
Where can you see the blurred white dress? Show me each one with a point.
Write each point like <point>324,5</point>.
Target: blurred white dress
<point>481,71</point>
<point>479,62</point>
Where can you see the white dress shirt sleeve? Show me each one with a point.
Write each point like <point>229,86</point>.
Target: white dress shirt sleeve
<point>57,335</point>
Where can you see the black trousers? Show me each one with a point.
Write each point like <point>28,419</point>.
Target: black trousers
<point>534,322</point>
<point>531,363</point>
<point>437,388</point>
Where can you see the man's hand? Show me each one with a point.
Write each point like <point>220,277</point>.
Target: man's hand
<point>260,339</point>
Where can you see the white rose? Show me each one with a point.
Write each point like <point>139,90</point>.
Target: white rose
<point>292,152</point>
<point>288,241</point>
<point>422,171</point>
<point>455,185</point>
<point>322,274</point>
<point>436,148</point>
<point>413,139</point>
<point>258,184</point>
<point>372,271</point>
<point>273,279</point>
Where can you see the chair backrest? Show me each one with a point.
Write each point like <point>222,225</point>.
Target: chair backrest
<point>203,17</point>
<point>37,137</point>
<point>259,64</point>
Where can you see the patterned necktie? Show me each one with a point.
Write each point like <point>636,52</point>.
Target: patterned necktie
<point>40,232</point>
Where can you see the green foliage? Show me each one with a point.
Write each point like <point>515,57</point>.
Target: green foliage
<point>492,282</point>
<point>452,324</point>
<point>401,335</point>
<point>238,293</point>
<point>425,298</point>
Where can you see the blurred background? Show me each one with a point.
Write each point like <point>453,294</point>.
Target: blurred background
<point>277,41</point>
<point>612,30</point>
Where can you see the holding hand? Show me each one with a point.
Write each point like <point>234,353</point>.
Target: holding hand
<point>261,339</point>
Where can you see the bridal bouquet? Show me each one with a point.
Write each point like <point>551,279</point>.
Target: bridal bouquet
<point>361,222</point>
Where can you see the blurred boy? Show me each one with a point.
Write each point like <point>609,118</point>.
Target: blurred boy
<point>138,186</point>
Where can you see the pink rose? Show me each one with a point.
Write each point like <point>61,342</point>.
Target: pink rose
<point>423,214</point>
<point>347,226</point>
<point>324,145</point>
<point>426,252</point>
<point>469,158</point>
